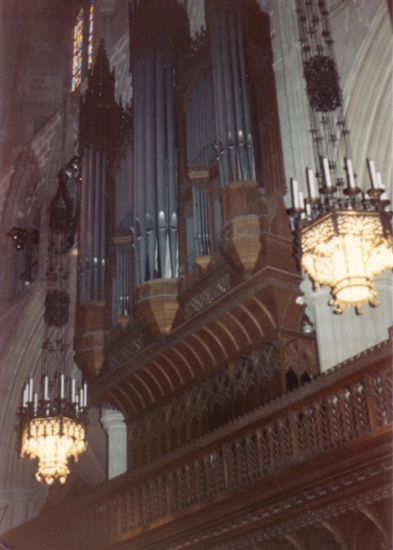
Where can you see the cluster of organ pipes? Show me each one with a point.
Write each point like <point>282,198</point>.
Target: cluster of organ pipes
<point>201,157</point>
<point>122,239</point>
<point>218,125</point>
<point>155,224</point>
<point>200,123</point>
<point>92,231</point>
<point>234,142</point>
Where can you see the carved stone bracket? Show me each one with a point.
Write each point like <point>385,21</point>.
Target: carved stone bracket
<point>241,233</point>
<point>157,304</point>
<point>89,343</point>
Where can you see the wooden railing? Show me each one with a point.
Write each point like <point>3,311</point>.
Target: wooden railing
<point>326,418</point>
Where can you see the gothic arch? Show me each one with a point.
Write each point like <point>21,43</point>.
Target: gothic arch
<point>369,104</point>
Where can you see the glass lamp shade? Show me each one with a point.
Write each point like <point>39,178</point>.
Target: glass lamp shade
<point>53,440</point>
<point>346,250</point>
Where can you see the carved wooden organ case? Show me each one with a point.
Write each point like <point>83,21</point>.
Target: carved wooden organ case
<point>187,285</point>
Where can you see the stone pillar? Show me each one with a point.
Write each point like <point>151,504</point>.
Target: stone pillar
<point>113,422</point>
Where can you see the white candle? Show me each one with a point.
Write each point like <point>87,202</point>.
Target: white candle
<point>326,171</point>
<point>35,403</point>
<point>295,194</point>
<point>73,390</point>
<point>301,200</point>
<point>311,183</point>
<point>31,390</point>
<point>373,176</point>
<point>351,177</point>
<point>308,208</point>
<point>62,386</point>
<point>85,394</point>
<point>25,395</point>
<point>46,388</point>
<point>379,181</point>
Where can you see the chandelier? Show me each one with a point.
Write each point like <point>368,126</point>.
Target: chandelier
<point>52,420</point>
<point>53,429</point>
<point>342,234</point>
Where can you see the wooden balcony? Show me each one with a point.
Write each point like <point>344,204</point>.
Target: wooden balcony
<point>328,443</point>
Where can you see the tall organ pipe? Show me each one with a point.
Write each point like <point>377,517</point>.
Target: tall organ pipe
<point>229,121</point>
<point>219,101</point>
<point>172,195</point>
<point>161,168</point>
<point>140,181</point>
<point>151,202</point>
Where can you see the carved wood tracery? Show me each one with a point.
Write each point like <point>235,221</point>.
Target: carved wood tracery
<point>255,461</point>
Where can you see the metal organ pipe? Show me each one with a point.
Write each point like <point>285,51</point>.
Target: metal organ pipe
<point>229,121</point>
<point>161,168</point>
<point>219,103</point>
<point>151,195</point>
<point>102,226</point>
<point>172,195</point>
<point>96,223</point>
<point>140,182</point>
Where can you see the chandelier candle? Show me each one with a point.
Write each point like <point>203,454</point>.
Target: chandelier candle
<point>295,194</point>
<point>326,172</point>
<point>373,175</point>
<point>350,174</point>
<point>311,184</point>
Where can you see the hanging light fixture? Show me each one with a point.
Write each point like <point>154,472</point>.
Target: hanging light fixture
<point>344,237</point>
<point>52,430</point>
<point>52,420</point>
<point>342,234</point>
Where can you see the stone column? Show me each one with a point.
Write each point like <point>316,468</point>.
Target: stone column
<point>113,422</point>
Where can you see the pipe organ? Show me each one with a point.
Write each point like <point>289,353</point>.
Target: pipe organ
<point>165,164</point>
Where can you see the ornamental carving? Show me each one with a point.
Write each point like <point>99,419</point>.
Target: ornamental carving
<point>207,296</point>
<point>57,308</point>
<point>240,387</point>
<point>322,83</point>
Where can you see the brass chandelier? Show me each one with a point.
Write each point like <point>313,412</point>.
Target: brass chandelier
<point>343,236</point>
<point>52,416</point>
<point>52,430</point>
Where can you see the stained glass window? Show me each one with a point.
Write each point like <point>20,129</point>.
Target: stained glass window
<point>83,40</point>
<point>91,21</point>
<point>78,51</point>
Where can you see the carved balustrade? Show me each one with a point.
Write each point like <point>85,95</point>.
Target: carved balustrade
<point>331,411</point>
